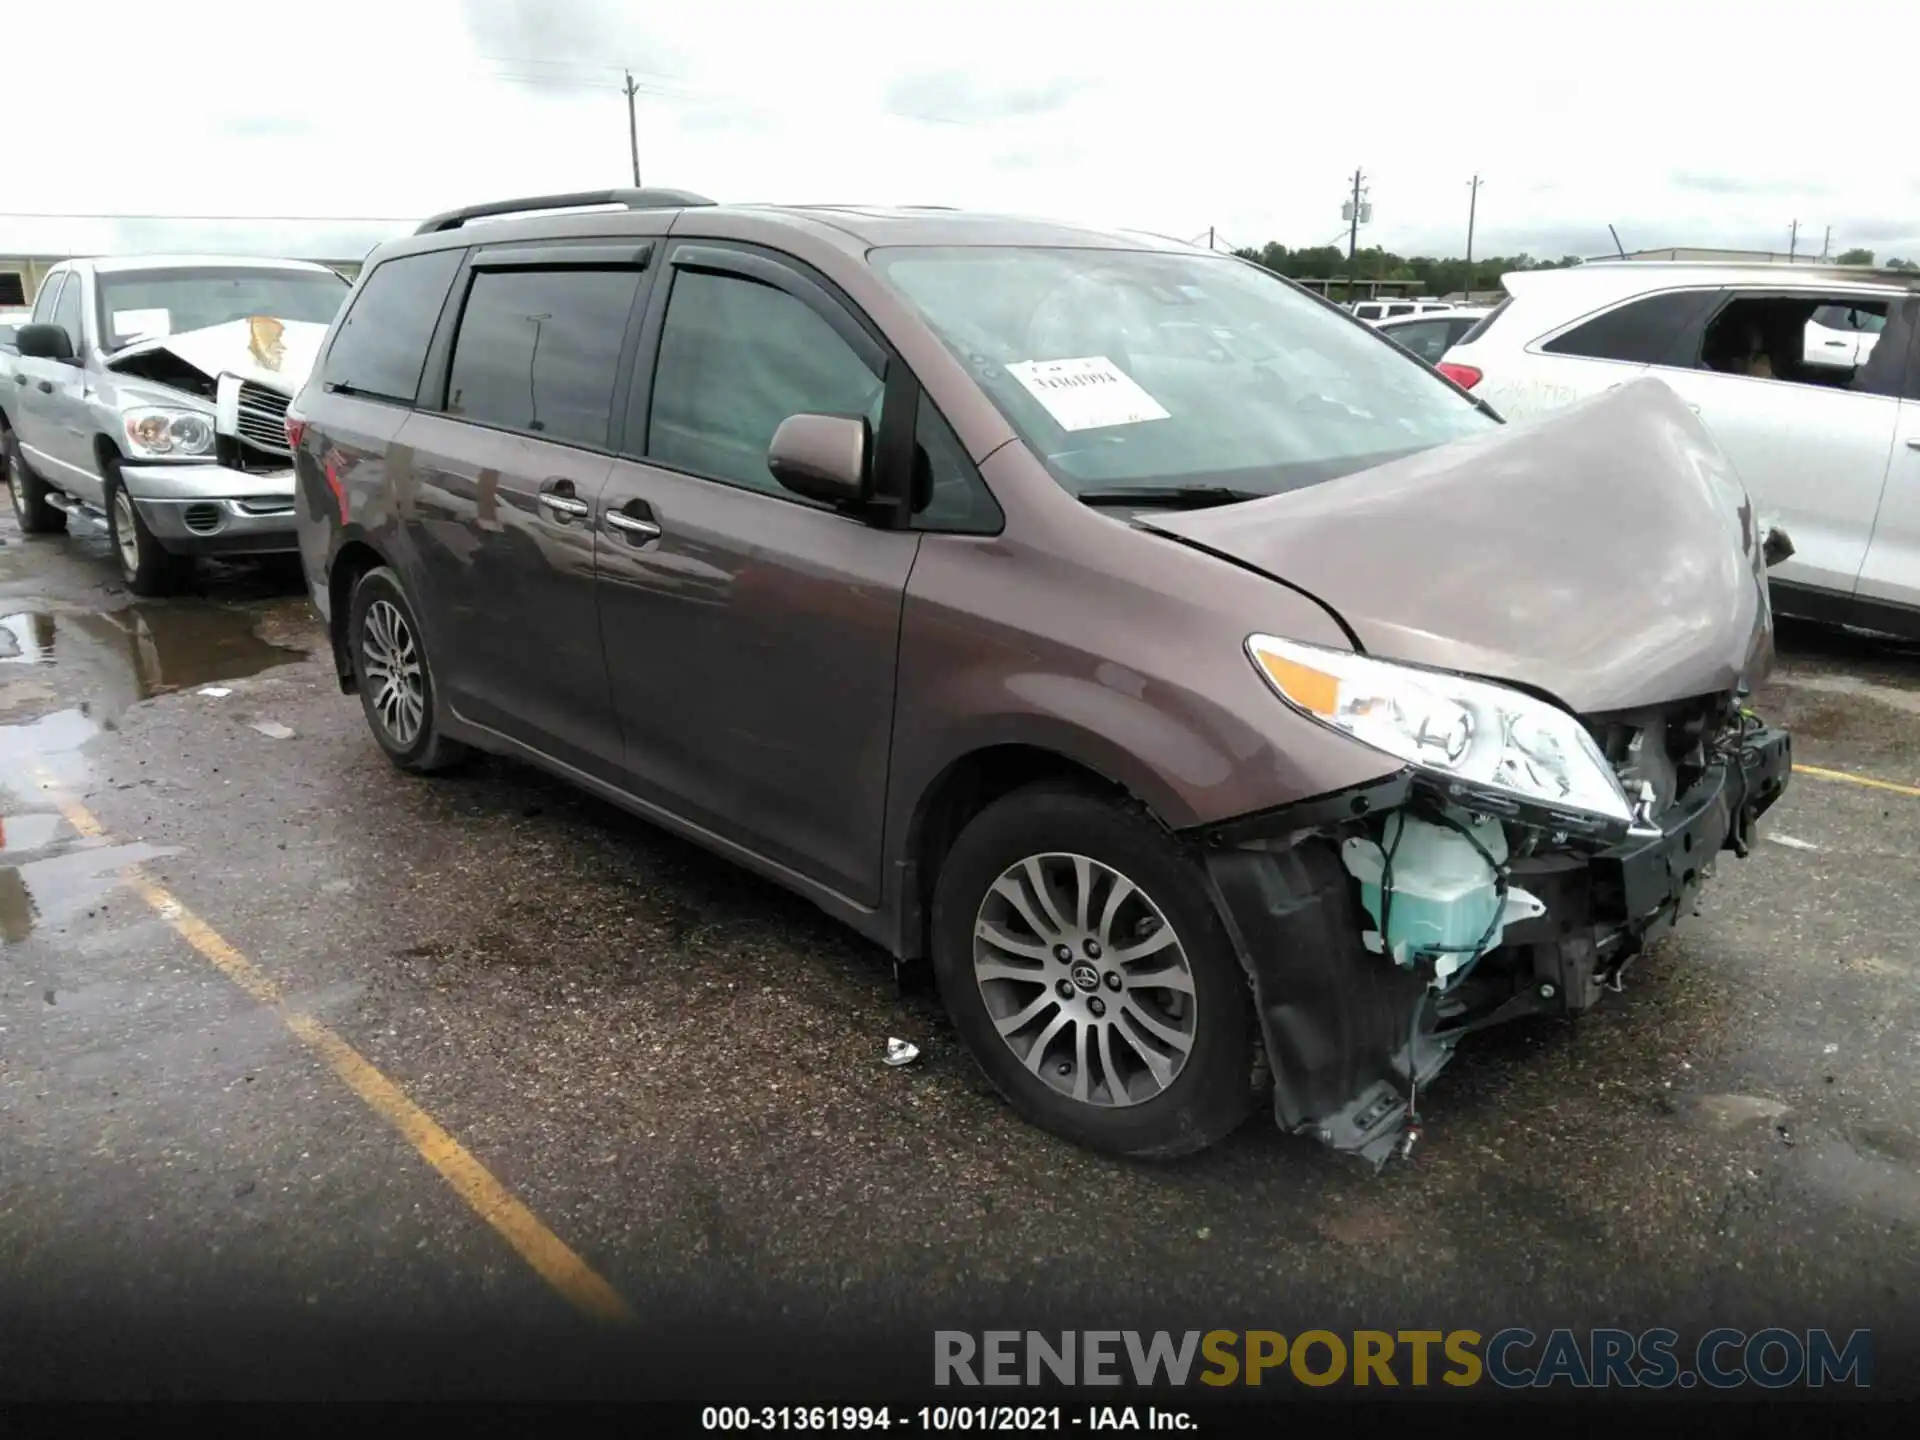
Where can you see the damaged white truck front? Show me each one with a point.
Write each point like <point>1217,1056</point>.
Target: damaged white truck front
<point>149,395</point>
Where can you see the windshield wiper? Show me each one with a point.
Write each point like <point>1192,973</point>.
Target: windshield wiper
<point>1176,497</point>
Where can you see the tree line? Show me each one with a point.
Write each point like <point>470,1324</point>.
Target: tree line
<point>1440,276</point>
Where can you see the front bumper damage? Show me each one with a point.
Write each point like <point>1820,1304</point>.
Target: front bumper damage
<point>1351,1038</point>
<point>214,509</point>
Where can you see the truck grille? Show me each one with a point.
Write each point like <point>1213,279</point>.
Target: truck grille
<point>262,420</point>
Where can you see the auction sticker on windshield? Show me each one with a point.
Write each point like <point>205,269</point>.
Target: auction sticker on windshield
<point>1086,393</point>
<point>141,324</point>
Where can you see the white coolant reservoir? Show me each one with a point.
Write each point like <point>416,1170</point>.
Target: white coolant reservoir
<point>1440,897</point>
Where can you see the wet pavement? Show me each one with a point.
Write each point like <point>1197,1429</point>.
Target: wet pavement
<point>679,1070</point>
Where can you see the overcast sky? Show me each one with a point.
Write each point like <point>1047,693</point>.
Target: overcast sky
<point>1688,122</point>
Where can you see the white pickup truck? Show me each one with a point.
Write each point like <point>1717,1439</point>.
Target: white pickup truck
<point>148,394</point>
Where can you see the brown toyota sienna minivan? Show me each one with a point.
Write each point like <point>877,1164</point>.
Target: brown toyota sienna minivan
<point>1222,702</point>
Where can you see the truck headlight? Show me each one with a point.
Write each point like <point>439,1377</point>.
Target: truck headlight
<point>1467,731</point>
<point>156,432</point>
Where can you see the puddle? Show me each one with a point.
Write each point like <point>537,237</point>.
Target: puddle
<point>143,650</point>
<point>48,892</point>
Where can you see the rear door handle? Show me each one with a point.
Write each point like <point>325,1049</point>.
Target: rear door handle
<point>559,501</point>
<point>47,385</point>
<point>1913,442</point>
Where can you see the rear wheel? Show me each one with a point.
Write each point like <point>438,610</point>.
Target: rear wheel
<point>147,566</point>
<point>32,509</point>
<point>392,672</point>
<point>1084,965</point>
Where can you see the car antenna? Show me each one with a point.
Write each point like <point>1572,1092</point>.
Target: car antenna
<point>1616,242</point>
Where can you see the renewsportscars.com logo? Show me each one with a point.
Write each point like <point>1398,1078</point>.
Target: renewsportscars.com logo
<point>1511,1359</point>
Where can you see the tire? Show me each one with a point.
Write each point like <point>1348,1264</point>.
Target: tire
<point>36,514</point>
<point>384,641</point>
<point>1116,1099</point>
<point>148,567</point>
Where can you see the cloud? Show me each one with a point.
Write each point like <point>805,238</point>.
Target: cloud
<point>1747,185</point>
<point>966,99</point>
<point>1212,118</point>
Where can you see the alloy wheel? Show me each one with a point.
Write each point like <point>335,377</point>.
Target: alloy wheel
<point>125,538</point>
<point>393,668</point>
<point>1085,979</point>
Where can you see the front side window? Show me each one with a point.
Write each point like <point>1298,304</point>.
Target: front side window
<point>381,347</point>
<point>736,358</point>
<point>66,312</point>
<point>1090,355</point>
<point>147,304</point>
<point>43,303</point>
<point>537,351</point>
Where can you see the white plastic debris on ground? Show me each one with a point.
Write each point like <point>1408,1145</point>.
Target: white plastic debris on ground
<point>901,1052</point>
<point>218,692</point>
<point>273,729</point>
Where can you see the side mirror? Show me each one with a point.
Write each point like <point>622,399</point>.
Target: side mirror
<point>1778,546</point>
<point>43,342</point>
<point>823,457</point>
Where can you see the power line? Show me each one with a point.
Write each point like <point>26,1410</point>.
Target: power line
<point>250,219</point>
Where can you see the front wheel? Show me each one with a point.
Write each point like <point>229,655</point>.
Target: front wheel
<point>1086,969</point>
<point>394,677</point>
<point>147,566</point>
<point>36,514</point>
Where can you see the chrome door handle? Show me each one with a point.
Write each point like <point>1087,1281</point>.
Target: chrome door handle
<point>628,525</point>
<point>564,507</point>
<point>1913,442</point>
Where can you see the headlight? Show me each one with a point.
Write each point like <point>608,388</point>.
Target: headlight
<point>154,432</point>
<point>1467,731</point>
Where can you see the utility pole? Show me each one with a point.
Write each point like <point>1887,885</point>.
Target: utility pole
<point>1473,201</point>
<point>1353,233</point>
<point>633,128</point>
<point>1826,244</point>
<point>1209,237</point>
<point>1793,240</point>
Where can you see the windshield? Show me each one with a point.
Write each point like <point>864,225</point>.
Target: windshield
<point>148,304</point>
<point>1137,369</point>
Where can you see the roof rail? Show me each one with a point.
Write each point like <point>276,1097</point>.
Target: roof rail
<point>576,200</point>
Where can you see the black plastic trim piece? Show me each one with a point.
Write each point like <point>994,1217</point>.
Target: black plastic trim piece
<point>1357,802</point>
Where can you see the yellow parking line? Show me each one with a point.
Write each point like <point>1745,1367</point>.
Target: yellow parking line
<point>550,1256</point>
<point>1851,779</point>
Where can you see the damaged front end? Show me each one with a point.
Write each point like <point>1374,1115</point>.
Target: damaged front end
<point>1380,926</point>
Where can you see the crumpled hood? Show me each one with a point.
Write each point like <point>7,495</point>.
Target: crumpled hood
<point>1606,554</point>
<point>269,351</point>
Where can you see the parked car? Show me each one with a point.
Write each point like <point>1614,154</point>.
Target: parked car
<point>1374,311</point>
<point>1842,335</point>
<point>1179,708</point>
<point>1832,450</point>
<point>147,394</point>
<point>1431,336</point>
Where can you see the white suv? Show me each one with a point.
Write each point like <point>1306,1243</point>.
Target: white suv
<point>1374,311</point>
<point>1826,436</point>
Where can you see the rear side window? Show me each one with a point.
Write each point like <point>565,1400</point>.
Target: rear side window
<point>381,346</point>
<point>537,351</point>
<point>1426,338</point>
<point>1641,332</point>
<point>736,358</point>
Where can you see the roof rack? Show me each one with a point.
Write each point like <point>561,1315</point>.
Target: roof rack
<point>576,200</point>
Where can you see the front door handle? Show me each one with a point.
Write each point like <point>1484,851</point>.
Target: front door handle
<point>1913,442</point>
<point>47,386</point>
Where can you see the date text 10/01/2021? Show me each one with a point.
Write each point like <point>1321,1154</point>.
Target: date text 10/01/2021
<point>1040,1419</point>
